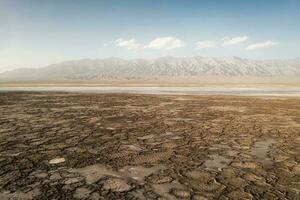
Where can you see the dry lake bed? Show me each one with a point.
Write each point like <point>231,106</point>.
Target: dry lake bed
<point>56,145</point>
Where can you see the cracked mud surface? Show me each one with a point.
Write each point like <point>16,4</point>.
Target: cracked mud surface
<point>128,146</point>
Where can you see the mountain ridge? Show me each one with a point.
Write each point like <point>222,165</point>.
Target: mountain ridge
<point>163,67</point>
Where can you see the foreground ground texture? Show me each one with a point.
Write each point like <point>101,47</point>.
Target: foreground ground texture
<point>126,146</point>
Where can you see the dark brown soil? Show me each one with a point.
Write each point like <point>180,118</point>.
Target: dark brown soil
<point>127,146</point>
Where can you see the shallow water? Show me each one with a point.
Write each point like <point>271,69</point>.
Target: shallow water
<point>246,91</point>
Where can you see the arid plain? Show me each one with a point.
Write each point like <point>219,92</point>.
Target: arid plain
<point>135,146</point>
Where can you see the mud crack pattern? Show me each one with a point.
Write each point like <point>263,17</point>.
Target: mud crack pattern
<point>130,146</point>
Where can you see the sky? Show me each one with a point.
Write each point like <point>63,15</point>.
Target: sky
<point>37,33</point>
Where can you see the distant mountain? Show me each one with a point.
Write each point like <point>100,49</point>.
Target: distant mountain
<point>164,67</point>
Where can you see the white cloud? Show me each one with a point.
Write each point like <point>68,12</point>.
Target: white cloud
<point>236,40</point>
<point>206,44</point>
<point>130,44</point>
<point>261,45</point>
<point>165,43</point>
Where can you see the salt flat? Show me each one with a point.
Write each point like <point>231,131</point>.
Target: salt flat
<point>240,91</point>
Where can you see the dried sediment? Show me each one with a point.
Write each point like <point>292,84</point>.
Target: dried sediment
<point>126,146</point>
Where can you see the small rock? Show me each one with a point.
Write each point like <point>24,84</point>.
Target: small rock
<point>40,174</point>
<point>57,161</point>
<point>134,147</point>
<point>15,154</point>
<point>71,181</point>
<point>55,176</point>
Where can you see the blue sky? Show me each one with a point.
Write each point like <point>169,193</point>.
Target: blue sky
<point>35,33</point>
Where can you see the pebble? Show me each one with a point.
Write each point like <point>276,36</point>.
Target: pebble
<point>57,161</point>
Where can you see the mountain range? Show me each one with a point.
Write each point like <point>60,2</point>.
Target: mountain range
<point>160,68</point>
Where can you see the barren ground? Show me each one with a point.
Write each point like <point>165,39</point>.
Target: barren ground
<point>127,146</point>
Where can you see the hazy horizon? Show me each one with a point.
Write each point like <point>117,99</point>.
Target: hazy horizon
<point>37,34</point>
<point>154,58</point>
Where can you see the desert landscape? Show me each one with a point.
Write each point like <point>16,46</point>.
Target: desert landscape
<point>138,146</point>
<point>149,100</point>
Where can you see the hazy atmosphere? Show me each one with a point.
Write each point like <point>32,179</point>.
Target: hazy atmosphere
<point>40,33</point>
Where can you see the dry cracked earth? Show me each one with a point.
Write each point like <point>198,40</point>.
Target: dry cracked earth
<point>129,146</point>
